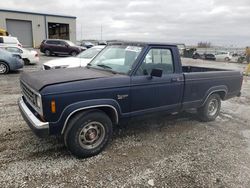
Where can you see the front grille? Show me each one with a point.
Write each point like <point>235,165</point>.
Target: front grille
<point>46,67</point>
<point>28,94</point>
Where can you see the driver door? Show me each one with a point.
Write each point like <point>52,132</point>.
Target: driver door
<point>149,94</point>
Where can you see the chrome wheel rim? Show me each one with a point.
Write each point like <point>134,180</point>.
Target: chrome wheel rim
<point>47,52</point>
<point>3,68</point>
<point>213,107</point>
<point>73,54</point>
<point>91,135</point>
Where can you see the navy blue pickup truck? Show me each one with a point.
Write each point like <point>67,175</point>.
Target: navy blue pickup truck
<point>126,79</point>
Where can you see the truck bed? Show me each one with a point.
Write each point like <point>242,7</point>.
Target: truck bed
<point>199,81</point>
<point>188,69</point>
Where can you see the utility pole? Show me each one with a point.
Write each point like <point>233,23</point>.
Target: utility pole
<point>101,32</point>
<point>81,31</point>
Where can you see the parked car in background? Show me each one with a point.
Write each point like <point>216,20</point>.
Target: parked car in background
<point>58,46</point>
<point>208,56</point>
<point>9,61</point>
<point>28,56</point>
<point>9,41</point>
<point>205,56</point>
<point>102,42</point>
<point>87,44</point>
<point>223,56</point>
<point>81,60</point>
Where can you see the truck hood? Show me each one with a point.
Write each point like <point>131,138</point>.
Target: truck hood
<point>39,79</point>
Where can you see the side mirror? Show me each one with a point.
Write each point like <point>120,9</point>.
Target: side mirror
<point>67,45</point>
<point>156,73</point>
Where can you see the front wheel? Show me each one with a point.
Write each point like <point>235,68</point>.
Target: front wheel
<point>211,109</point>
<point>47,52</point>
<point>88,133</point>
<point>4,69</point>
<point>73,53</point>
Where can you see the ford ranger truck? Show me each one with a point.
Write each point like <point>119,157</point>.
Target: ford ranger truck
<point>126,79</point>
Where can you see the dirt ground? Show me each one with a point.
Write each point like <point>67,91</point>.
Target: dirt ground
<point>166,151</point>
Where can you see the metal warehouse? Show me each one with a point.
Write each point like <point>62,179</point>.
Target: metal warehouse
<point>31,28</point>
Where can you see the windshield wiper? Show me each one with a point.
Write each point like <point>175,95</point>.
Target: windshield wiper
<point>104,66</point>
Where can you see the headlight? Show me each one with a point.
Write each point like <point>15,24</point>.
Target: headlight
<point>38,102</point>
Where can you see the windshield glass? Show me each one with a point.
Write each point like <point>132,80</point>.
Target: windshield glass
<point>89,53</point>
<point>70,43</point>
<point>117,58</point>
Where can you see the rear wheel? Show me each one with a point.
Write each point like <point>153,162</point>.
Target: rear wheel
<point>88,133</point>
<point>211,108</point>
<point>4,68</point>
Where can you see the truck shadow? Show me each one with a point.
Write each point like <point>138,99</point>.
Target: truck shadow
<point>152,123</point>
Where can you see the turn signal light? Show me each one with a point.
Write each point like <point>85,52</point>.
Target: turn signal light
<point>53,106</point>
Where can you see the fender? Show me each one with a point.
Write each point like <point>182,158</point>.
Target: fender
<point>83,105</point>
<point>221,88</point>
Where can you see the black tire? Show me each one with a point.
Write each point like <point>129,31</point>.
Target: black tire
<point>227,59</point>
<point>4,68</point>
<point>211,109</point>
<point>26,61</point>
<point>47,52</point>
<point>73,53</point>
<point>94,127</point>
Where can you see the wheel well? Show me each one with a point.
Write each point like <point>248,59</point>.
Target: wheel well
<point>73,51</point>
<point>1,61</point>
<point>26,60</point>
<point>222,94</point>
<point>109,111</point>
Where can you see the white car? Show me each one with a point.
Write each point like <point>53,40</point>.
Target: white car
<point>223,56</point>
<point>81,60</point>
<point>9,41</point>
<point>28,56</point>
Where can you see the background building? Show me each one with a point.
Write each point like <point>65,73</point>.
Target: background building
<point>31,28</point>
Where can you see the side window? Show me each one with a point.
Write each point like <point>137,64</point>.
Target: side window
<point>62,43</point>
<point>52,42</point>
<point>157,59</point>
<point>15,50</point>
<point>49,42</point>
<point>1,39</point>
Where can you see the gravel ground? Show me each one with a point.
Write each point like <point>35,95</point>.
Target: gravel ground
<point>164,151</point>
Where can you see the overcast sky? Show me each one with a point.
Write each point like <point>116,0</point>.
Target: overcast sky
<point>221,22</point>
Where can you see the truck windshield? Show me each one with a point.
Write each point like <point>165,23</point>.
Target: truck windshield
<point>117,58</point>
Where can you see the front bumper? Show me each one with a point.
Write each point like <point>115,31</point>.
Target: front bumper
<point>41,129</point>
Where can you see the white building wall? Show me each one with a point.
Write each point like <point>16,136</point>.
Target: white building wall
<point>39,29</point>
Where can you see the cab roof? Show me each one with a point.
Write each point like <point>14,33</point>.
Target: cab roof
<point>139,43</point>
